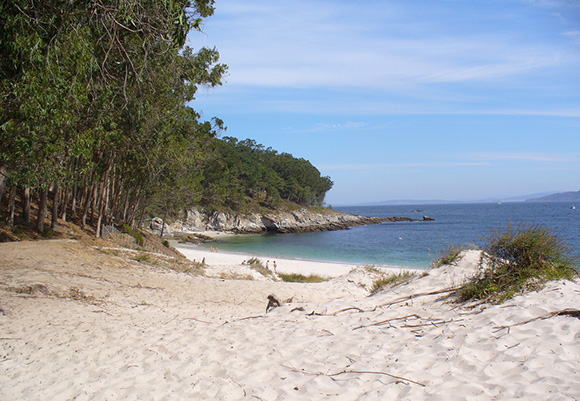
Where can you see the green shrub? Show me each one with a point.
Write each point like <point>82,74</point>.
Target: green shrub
<point>301,278</point>
<point>517,260</point>
<point>450,257</point>
<point>134,233</point>
<point>391,280</point>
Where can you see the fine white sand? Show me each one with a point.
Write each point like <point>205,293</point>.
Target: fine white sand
<point>129,331</point>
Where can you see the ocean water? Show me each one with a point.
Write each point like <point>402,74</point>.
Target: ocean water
<point>411,244</point>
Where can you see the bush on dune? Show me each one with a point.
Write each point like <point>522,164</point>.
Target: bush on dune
<point>301,278</point>
<point>517,260</point>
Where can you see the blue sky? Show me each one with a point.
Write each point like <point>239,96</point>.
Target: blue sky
<point>406,99</point>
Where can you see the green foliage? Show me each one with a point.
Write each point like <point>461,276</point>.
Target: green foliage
<point>519,259</point>
<point>301,278</point>
<point>243,172</point>
<point>390,281</point>
<point>135,234</point>
<point>94,96</point>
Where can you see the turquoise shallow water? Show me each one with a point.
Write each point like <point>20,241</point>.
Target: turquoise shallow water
<point>411,244</point>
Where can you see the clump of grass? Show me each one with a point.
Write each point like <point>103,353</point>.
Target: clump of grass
<point>518,260</point>
<point>372,269</point>
<point>301,278</point>
<point>256,264</point>
<point>143,257</point>
<point>390,281</point>
<point>236,276</point>
<point>451,256</point>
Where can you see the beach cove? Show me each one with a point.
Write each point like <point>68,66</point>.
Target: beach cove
<point>80,323</point>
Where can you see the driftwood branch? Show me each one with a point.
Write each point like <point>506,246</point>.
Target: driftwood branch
<point>562,312</point>
<point>387,304</point>
<point>417,295</point>
<point>349,371</point>
<point>243,318</point>
<point>387,321</point>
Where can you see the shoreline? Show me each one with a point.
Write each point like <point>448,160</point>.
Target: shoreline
<point>217,236</point>
<point>227,261</point>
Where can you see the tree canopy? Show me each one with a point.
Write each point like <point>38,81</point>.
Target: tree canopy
<point>95,115</point>
<point>243,172</point>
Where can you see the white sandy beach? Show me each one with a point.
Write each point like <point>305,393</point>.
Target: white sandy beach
<point>94,326</point>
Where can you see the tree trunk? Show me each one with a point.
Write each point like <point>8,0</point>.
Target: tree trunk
<point>42,210</point>
<point>55,202</point>
<point>2,187</point>
<point>74,202</point>
<point>163,225</point>
<point>93,203</point>
<point>26,205</point>
<point>11,205</point>
<point>103,199</point>
<point>65,204</point>
<point>87,206</point>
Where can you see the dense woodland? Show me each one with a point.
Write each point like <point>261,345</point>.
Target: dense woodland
<point>97,124</point>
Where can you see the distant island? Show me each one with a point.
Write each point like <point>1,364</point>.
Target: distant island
<point>558,197</point>
<point>538,197</point>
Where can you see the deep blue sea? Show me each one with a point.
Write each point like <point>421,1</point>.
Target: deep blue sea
<point>412,244</point>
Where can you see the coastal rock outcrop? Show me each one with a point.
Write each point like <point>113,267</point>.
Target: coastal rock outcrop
<point>301,220</point>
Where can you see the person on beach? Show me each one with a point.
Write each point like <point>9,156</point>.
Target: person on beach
<point>267,264</point>
<point>275,266</point>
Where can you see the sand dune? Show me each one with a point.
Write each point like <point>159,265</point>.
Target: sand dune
<point>80,324</point>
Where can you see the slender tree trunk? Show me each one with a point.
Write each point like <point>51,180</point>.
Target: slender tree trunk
<point>103,199</point>
<point>87,206</point>
<point>42,210</point>
<point>126,210</point>
<point>2,187</point>
<point>163,225</point>
<point>95,198</point>
<point>101,203</point>
<point>74,201</point>
<point>26,205</point>
<point>55,202</point>
<point>11,205</point>
<point>65,204</point>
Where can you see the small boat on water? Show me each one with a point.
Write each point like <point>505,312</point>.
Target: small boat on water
<point>573,207</point>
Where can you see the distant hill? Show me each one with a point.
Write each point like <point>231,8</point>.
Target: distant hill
<point>559,197</point>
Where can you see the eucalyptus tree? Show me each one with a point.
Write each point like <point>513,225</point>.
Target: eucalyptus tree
<point>91,91</point>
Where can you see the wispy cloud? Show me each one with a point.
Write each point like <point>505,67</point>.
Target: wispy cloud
<point>530,157</point>
<point>389,57</point>
<point>319,44</point>
<point>356,167</point>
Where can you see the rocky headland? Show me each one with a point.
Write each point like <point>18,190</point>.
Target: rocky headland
<point>301,220</point>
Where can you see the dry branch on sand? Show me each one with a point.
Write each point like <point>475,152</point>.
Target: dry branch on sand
<point>349,371</point>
